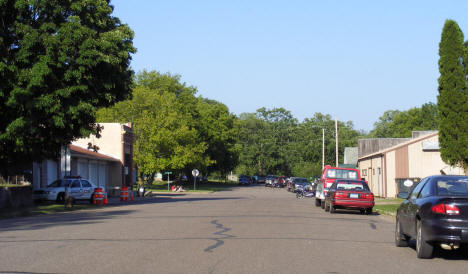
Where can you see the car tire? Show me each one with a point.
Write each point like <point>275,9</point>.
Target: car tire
<point>369,211</point>
<point>401,240</point>
<point>60,198</point>
<point>317,202</point>
<point>424,249</point>
<point>322,204</point>
<point>362,211</point>
<point>332,209</point>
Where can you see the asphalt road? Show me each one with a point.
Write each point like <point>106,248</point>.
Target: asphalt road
<point>247,230</point>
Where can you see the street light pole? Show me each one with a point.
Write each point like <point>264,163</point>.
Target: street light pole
<point>323,148</point>
<point>336,141</point>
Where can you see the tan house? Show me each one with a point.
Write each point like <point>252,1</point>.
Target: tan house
<point>106,161</point>
<point>395,169</point>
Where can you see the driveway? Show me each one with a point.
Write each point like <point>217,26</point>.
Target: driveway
<point>250,229</point>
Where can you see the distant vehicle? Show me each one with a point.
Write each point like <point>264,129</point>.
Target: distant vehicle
<point>260,179</point>
<point>270,180</point>
<point>299,183</point>
<point>280,181</point>
<point>79,188</point>
<point>349,194</point>
<point>244,180</point>
<point>329,175</point>
<point>434,213</point>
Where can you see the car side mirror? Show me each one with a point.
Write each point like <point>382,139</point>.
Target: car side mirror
<point>403,195</point>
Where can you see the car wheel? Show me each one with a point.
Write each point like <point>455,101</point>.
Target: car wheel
<point>400,239</point>
<point>60,198</point>
<point>362,211</point>
<point>332,209</point>
<point>317,202</point>
<point>322,204</point>
<point>369,211</point>
<point>423,249</point>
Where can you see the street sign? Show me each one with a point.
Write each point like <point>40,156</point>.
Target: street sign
<point>168,172</point>
<point>195,173</point>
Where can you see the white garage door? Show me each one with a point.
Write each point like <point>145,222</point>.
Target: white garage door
<point>93,172</point>
<point>82,169</point>
<point>103,175</point>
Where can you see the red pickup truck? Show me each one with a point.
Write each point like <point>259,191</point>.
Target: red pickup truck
<point>329,176</point>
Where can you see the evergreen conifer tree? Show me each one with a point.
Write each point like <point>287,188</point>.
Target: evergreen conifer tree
<point>452,100</point>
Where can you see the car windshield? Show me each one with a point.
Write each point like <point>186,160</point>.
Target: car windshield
<point>452,187</point>
<point>300,180</point>
<point>59,183</point>
<point>342,174</point>
<point>350,185</point>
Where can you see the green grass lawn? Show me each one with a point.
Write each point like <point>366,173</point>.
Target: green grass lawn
<point>387,209</point>
<point>201,187</point>
<point>387,206</point>
<point>389,201</point>
<point>41,209</point>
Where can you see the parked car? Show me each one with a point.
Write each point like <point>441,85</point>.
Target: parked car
<point>299,183</point>
<point>280,181</point>
<point>435,213</point>
<point>244,180</point>
<point>270,180</point>
<point>349,194</point>
<point>260,179</point>
<point>329,175</point>
<point>80,189</point>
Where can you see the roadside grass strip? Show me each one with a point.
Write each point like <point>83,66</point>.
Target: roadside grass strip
<point>388,209</point>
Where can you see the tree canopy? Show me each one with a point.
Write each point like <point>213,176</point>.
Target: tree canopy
<point>175,131</point>
<point>60,61</point>
<point>400,124</point>
<point>274,142</point>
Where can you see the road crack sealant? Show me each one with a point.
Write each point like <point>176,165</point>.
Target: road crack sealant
<point>219,240</point>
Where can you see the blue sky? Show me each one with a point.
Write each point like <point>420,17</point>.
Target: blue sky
<point>350,59</point>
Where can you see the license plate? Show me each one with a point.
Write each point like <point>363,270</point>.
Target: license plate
<point>353,195</point>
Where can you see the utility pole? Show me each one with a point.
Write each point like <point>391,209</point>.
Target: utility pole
<point>336,141</point>
<point>323,148</point>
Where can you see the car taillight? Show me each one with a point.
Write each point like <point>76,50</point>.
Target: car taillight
<point>446,209</point>
<point>339,195</point>
<point>369,196</point>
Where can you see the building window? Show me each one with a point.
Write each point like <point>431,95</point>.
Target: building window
<point>373,171</point>
<point>364,172</point>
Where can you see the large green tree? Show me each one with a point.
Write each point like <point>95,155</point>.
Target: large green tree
<point>164,126</point>
<point>174,129</point>
<point>217,127</point>
<point>452,100</point>
<point>60,61</point>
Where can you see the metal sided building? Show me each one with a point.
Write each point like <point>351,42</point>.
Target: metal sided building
<point>387,170</point>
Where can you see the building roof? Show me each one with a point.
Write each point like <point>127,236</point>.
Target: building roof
<point>85,153</point>
<point>412,141</point>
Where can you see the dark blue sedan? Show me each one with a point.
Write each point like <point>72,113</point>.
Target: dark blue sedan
<point>435,213</point>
